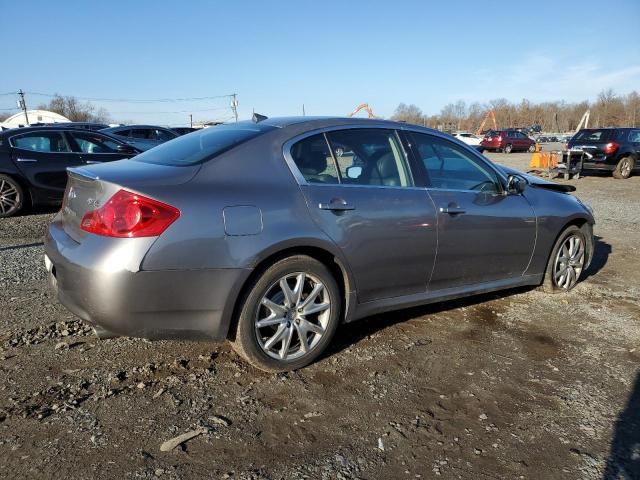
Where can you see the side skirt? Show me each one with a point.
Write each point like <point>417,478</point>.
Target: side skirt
<point>362,310</point>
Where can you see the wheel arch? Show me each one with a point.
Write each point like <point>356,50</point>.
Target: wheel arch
<point>586,226</point>
<point>323,253</point>
<point>23,184</point>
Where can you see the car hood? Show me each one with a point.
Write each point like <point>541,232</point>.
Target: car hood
<point>537,181</point>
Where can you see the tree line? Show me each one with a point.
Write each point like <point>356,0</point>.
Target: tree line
<point>608,110</point>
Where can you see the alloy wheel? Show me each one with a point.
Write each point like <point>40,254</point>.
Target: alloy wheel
<point>569,262</point>
<point>292,316</point>
<point>9,197</point>
<point>625,168</point>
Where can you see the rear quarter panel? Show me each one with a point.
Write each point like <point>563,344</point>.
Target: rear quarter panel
<point>252,175</point>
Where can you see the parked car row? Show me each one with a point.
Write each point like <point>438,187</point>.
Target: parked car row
<point>553,139</point>
<point>34,162</point>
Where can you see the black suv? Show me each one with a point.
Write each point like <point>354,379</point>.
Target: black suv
<point>612,149</point>
<point>34,162</point>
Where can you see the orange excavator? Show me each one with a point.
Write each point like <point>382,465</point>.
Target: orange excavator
<point>363,106</point>
<point>484,120</point>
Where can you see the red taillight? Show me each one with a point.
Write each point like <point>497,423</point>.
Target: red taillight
<point>128,214</point>
<point>499,138</point>
<point>610,148</point>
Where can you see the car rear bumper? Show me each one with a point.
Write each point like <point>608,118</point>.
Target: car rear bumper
<point>178,304</point>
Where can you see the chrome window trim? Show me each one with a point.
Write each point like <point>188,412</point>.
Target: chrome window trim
<point>286,151</point>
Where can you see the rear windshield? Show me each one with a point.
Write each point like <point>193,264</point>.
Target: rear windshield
<point>592,136</point>
<point>202,145</point>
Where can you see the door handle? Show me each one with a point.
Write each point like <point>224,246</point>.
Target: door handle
<point>336,205</point>
<point>26,160</point>
<point>452,209</point>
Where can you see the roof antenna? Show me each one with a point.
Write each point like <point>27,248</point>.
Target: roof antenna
<point>258,118</point>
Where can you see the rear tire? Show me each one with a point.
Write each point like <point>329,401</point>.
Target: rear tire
<point>624,168</point>
<point>532,148</point>
<point>11,196</point>
<point>288,315</point>
<point>508,148</point>
<point>566,262</point>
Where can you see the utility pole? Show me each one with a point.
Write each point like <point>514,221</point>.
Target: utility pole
<point>234,105</point>
<point>22,105</point>
<point>303,113</point>
<point>191,120</point>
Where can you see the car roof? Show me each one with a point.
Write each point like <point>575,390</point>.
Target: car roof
<point>61,126</point>
<point>135,126</point>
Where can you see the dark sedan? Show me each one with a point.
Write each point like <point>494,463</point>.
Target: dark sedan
<point>271,233</point>
<point>34,162</point>
<point>143,137</point>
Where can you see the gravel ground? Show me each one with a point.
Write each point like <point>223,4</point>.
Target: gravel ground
<point>512,385</point>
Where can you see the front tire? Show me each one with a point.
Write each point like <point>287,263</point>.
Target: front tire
<point>566,262</point>
<point>11,196</point>
<point>623,168</point>
<point>532,148</point>
<point>288,316</point>
<point>508,148</point>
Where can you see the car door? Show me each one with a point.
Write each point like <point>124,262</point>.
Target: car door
<point>43,158</point>
<point>94,147</point>
<point>360,191</point>
<point>484,234</point>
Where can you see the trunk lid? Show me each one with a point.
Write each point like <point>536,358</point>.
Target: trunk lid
<point>90,187</point>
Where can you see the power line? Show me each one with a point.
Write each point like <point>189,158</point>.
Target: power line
<point>175,111</point>
<point>132,100</point>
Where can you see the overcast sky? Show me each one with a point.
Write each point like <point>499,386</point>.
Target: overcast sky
<point>329,55</point>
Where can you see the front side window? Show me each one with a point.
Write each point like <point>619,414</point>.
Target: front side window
<point>450,167</point>
<point>92,143</point>
<point>313,158</point>
<point>122,133</point>
<point>41,142</point>
<point>161,135</point>
<point>370,157</point>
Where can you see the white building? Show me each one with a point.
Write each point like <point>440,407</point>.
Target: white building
<point>35,116</point>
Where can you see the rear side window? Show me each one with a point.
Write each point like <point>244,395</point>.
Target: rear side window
<point>370,157</point>
<point>41,142</point>
<point>202,145</point>
<point>592,136</point>
<point>313,158</point>
<point>634,136</point>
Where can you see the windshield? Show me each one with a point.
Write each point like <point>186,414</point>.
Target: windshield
<point>592,136</point>
<point>202,145</point>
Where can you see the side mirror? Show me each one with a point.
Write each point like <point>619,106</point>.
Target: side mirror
<point>354,172</point>
<point>124,148</point>
<point>516,184</point>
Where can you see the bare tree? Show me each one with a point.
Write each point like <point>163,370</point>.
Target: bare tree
<point>408,113</point>
<point>609,109</point>
<point>75,110</point>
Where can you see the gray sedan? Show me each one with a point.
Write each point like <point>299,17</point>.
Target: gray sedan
<point>270,233</point>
